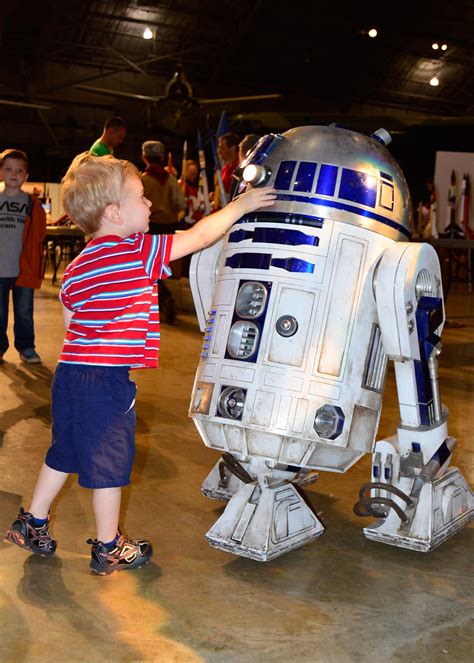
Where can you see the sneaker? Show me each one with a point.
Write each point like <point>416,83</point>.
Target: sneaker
<point>37,540</point>
<point>30,356</point>
<point>126,554</point>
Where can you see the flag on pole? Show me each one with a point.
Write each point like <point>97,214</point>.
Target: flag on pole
<point>183,166</point>
<point>223,126</point>
<point>169,166</point>
<point>203,185</point>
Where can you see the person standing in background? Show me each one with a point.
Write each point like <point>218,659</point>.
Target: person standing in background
<point>247,143</point>
<point>113,134</point>
<point>22,230</point>
<point>194,201</point>
<point>163,191</point>
<point>228,150</point>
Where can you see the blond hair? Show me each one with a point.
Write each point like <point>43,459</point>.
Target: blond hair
<point>90,185</point>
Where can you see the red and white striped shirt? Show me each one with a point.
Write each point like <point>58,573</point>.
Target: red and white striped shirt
<point>112,290</point>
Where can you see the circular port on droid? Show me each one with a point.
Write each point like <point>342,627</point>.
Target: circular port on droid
<point>286,325</point>
<point>231,403</point>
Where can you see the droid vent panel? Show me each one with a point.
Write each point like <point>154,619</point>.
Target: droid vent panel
<point>243,340</point>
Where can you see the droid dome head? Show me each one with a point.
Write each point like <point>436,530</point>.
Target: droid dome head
<point>330,172</point>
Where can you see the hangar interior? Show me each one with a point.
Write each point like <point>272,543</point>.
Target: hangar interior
<point>342,598</point>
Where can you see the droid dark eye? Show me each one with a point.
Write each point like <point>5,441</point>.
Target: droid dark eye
<point>286,325</point>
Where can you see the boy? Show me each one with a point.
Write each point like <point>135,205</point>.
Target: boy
<point>110,308</point>
<point>22,230</point>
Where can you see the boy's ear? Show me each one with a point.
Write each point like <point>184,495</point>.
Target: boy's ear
<point>112,214</point>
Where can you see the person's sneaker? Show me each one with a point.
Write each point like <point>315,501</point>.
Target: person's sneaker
<point>30,356</point>
<point>125,555</point>
<point>25,534</point>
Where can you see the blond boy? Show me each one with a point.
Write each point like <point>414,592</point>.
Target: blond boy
<point>110,308</point>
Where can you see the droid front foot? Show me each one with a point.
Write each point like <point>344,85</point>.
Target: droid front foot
<point>264,519</point>
<point>423,519</point>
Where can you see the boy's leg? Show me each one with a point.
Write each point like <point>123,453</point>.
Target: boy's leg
<point>30,530</point>
<point>5,287</point>
<point>47,487</point>
<point>106,503</point>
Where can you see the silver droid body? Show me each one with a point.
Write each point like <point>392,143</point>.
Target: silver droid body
<point>294,359</point>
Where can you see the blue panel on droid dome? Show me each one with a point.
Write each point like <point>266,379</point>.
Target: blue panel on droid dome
<point>284,175</point>
<point>327,180</point>
<point>358,187</point>
<point>305,176</point>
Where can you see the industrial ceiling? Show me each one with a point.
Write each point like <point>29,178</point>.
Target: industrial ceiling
<point>78,62</point>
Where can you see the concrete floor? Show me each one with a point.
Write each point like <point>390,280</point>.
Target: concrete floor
<point>341,598</point>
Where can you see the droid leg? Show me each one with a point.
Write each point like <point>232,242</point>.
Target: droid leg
<point>225,478</point>
<point>266,517</point>
<point>228,474</point>
<point>417,504</point>
<point>417,499</point>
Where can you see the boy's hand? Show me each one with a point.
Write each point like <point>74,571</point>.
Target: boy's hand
<point>255,198</point>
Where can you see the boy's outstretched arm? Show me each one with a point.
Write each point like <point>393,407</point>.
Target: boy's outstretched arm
<point>212,227</point>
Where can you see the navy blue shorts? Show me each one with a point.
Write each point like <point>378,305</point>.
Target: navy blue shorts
<point>93,410</point>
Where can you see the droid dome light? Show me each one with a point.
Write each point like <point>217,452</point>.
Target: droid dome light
<point>256,175</point>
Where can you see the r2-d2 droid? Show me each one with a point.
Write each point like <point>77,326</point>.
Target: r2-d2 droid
<point>306,301</point>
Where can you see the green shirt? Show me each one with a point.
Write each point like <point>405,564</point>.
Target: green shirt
<point>99,149</point>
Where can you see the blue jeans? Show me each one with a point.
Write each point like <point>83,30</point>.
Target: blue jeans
<point>23,327</point>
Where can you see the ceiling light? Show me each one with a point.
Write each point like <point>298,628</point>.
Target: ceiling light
<point>147,33</point>
<point>372,33</point>
<point>444,47</point>
<point>434,81</point>
<point>435,46</point>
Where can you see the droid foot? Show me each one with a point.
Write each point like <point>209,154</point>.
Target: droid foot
<point>264,520</point>
<point>444,507</point>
